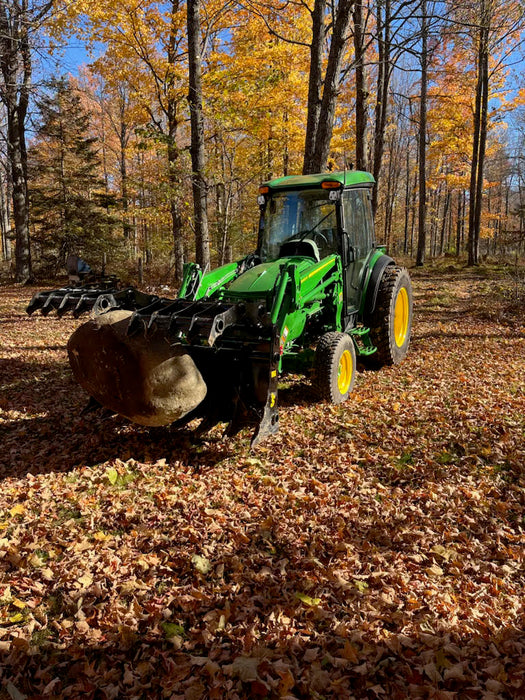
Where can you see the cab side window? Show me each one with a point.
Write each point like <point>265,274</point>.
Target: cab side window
<point>357,212</point>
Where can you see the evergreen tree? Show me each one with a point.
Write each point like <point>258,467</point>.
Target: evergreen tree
<point>70,207</point>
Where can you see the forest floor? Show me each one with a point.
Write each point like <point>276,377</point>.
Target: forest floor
<point>373,549</point>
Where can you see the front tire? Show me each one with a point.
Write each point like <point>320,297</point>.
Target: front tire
<point>334,367</point>
<point>391,321</point>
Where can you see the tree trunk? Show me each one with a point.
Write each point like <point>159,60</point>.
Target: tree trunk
<point>472,243</point>
<point>15,64</point>
<point>459,214</point>
<point>446,206</point>
<point>5,217</point>
<point>173,152</point>
<point>176,219</point>
<point>383,82</point>
<point>17,156</point>
<point>17,20</point>
<point>407,201</point>
<point>331,86</point>
<point>199,185</point>
<point>123,142</point>
<point>361,97</point>
<point>480,137</point>
<point>320,121</point>
<point>421,241</point>
<point>315,80</point>
<point>285,135</point>
<point>413,200</point>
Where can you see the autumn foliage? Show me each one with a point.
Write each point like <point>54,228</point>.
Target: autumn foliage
<point>285,87</point>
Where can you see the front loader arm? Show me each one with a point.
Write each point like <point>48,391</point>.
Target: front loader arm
<point>198,285</point>
<point>298,298</point>
<point>295,300</point>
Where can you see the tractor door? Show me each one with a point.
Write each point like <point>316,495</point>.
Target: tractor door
<point>358,224</point>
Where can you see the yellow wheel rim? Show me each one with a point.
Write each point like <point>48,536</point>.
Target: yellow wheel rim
<point>344,372</point>
<point>401,316</point>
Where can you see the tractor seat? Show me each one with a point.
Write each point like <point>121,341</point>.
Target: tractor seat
<point>305,248</point>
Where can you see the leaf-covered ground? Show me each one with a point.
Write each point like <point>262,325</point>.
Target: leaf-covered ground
<point>374,549</point>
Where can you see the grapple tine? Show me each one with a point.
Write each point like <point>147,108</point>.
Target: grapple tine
<point>51,302</point>
<point>67,303</point>
<point>269,423</point>
<point>92,405</point>
<point>83,305</point>
<point>37,302</point>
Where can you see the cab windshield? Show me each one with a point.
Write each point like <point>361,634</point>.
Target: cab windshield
<point>304,214</point>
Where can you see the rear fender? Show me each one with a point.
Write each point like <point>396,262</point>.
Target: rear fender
<point>372,286</point>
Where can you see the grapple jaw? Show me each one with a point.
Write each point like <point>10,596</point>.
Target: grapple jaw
<point>242,387</point>
<point>88,297</point>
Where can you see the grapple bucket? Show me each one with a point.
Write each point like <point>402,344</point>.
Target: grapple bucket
<point>236,349</point>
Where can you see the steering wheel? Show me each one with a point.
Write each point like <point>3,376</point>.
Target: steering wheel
<point>313,234</point>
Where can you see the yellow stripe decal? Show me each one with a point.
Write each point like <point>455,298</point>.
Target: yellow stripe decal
<point>318,269</point>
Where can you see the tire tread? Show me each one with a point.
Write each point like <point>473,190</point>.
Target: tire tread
<point>326,365</point>
<point>380,326</point>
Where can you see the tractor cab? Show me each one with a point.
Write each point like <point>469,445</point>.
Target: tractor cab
<point>320,215</point>
<point>298,222</point>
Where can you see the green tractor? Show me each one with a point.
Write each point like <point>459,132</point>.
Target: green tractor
<point>317,293</point>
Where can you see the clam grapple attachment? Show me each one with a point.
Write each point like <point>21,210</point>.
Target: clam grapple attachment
<point>317,293</point>
<point>235,347</point>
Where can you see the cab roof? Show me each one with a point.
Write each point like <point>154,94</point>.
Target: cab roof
<point>347,178</point>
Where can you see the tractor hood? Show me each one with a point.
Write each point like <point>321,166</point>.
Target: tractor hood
<point>261,279</point>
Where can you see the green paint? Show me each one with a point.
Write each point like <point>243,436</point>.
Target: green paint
<point>346,179</point>
<point>362,342</point>
<point>214,281</point>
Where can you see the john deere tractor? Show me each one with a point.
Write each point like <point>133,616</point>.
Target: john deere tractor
<point>317,293</point>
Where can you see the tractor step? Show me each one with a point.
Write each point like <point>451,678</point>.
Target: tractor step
<point>363,343</point>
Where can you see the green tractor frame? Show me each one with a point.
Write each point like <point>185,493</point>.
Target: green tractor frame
<point>317,293</point>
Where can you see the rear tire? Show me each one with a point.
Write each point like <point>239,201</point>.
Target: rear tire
<point>334,367</point>
<point>391,321</point>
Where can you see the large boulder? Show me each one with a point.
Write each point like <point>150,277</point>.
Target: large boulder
<point>146,380</point>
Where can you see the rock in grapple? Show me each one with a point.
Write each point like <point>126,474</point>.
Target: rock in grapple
<point>146,380</point>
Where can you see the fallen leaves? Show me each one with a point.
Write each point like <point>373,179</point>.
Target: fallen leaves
<point>370,549</point>
<point>201,564</point>
<point>307,600</point>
